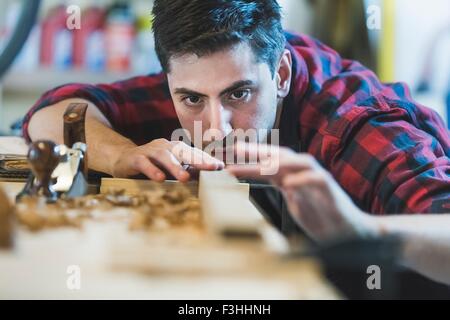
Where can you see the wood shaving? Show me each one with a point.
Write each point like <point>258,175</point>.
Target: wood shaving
<point>156,209</point>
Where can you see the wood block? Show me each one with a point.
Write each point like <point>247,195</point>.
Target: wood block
<point>6,224</point>
<point>226,206</point>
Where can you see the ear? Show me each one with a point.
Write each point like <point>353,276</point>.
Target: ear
<point>284,74</point>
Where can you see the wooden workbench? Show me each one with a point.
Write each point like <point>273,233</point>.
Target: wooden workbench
<point>176,264</point>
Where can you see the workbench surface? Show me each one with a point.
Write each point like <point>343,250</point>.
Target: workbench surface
<point>115,263</point>
<point>38,268</point>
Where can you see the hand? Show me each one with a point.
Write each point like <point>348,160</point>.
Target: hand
<point>160,155</point>
<point>315,200</point>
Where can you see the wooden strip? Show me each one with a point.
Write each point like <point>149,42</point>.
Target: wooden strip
<point>134,186</point>
<point>74,118</point>
<point>74,130</point>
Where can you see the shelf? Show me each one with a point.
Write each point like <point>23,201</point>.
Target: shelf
<point>44,79</point>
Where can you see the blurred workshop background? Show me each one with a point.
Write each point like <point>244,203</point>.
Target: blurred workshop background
<point>402,40</point>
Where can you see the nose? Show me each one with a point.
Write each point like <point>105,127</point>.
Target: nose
<point>219,121</point>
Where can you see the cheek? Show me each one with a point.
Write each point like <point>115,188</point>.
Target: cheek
<point>268,105</point>
<point>256,116</point>
<point>260,114</point>
<point>187,119</point>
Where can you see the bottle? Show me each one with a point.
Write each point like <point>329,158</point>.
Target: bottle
<point>56,39</point>
<point>119,34</point>
<point>88,41</point>
<point>145,59</point>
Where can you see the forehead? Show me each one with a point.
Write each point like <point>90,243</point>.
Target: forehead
<point>215,71</point>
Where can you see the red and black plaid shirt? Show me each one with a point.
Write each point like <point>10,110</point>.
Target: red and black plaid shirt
<point>390,154</point>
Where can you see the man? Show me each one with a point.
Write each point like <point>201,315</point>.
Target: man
<point>230,65</point>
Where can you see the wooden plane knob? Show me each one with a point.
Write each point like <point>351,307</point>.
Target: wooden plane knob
<point>44,157</point>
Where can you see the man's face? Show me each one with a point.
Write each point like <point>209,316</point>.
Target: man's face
<point>226,90</point>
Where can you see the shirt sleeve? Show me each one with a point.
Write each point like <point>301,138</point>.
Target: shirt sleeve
<point>389,153</point>
<point>394,158</point>
<point>139,108</point>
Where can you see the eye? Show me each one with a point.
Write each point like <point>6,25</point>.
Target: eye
<point>192,101</point>
<point>240,95</point>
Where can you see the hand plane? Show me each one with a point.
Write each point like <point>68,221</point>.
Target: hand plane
<point>60,170</point>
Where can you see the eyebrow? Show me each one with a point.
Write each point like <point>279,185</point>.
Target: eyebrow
<point>233,87</point>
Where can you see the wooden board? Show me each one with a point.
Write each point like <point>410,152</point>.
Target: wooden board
<point>180,263</point>
<point>133,186</point>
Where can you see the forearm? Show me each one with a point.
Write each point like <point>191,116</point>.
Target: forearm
<point>104,144</point>
<point>426,241</point>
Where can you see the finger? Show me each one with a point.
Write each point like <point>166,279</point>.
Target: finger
<point>253,152</point>
<point>250,171</point>
<point>146,167</point>
<point>255,172</point>
<point>195,157</point>
<point>303,207</point>
<point>313,185</point>
<point>302,178</point>
<point>271,155</point>
<point>273,169</point>
<point>254,161</point>
<point>166,159</point>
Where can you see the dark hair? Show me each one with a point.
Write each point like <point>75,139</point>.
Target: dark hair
<point>204,27</point>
